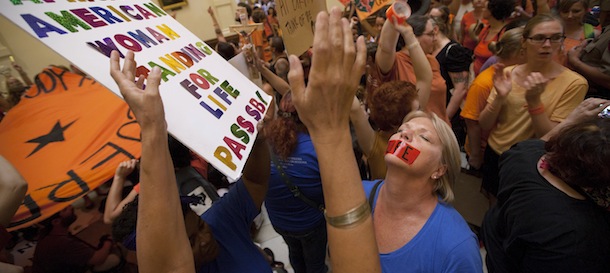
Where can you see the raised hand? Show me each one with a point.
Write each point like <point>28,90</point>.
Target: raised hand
<point>403,28</point>
<point>534,85</point>
<point>17,67</point>
<point>502,80</point>
<point>145,102</point>
<point>324,107</point>
<point>126,167</point>
<point>336,68</point>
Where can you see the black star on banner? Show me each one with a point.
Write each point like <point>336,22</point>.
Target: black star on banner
<point>56,135</point>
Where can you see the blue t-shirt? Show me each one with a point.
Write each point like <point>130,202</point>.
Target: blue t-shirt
<point>230,219</point>
<point>444,244</point>
<point>287,212</point>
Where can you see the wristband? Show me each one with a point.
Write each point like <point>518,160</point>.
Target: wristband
<point>537,110</point>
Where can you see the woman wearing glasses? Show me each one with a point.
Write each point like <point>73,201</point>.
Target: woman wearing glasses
<point>528,100</point>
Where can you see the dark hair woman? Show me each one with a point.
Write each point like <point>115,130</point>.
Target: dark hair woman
<point>552,211</point>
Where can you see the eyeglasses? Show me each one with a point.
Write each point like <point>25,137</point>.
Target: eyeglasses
<point>541,39</point>
<point>431,33</point>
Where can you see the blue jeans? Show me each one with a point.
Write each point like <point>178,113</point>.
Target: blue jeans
<point>307,250</point>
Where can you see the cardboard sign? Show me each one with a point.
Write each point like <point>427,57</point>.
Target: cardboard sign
<point>297,20</point>
<point>209,105</point>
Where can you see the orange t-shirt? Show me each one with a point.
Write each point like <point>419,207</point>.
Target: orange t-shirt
<point>260,42</point>
<point>199,164</point>
<point>569,43</point>
<point>481,51</point>
<point>476,99</point>
<point>403,70</point>
<point>467,21</point>
<point>136,188</point>
<point>479,90</point>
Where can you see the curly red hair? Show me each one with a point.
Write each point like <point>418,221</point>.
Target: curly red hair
<point>390,103</point>
<point>281,133</point>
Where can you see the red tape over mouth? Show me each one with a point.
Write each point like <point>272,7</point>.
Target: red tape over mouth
<point>402,150</point>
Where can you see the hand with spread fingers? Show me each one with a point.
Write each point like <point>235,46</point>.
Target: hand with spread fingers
<point>324,107</point>
<point>502,80</point>
<point>160,225</point>
<point>337,66</point>
<point>145,102</point>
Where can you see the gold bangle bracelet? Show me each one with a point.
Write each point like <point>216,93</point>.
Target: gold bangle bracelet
<point>351,218</point>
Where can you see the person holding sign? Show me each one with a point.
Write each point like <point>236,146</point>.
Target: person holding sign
<point>163,242</point>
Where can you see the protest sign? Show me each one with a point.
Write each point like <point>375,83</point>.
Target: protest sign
<point>209,105</point>
<point>66,137</point>
<point>365,8</point>
<point>297,18</point>
<point>240,63</point>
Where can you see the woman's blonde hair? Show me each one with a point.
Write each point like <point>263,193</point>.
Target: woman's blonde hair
<point>450,156</point>
<point>509,44</point>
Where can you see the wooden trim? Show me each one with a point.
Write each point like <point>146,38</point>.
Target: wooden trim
<point>233,38</point>
<point>175,4</point>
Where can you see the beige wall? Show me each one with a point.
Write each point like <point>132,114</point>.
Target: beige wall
<point>28,52</point>
<point>33,55</point>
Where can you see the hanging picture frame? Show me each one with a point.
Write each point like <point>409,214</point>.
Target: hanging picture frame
<point>172,4</point>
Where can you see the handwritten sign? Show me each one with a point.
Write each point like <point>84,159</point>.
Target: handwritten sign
<point>297,18</point>
<point>66,137</point>
<point>209,105</point>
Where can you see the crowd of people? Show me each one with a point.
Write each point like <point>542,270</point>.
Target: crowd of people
<point>520,87</point>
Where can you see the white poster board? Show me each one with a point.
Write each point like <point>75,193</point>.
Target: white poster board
<point>209,105</point>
